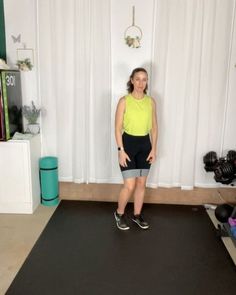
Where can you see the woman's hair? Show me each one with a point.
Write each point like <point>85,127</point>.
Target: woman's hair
<point>130,86</point>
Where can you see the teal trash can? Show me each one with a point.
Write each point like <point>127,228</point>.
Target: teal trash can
<point>49,181</point>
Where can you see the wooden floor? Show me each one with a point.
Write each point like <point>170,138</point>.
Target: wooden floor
<point>110,192</point>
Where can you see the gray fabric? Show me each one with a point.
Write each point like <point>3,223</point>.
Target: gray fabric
<point>135,173</point>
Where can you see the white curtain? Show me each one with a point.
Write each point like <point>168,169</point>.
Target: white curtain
<point>189,78</point>
<point>191,58</point>
<point>74,58</point>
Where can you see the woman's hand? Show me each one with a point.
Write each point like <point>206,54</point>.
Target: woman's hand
<point>123,157</point>
<point>151,157</point>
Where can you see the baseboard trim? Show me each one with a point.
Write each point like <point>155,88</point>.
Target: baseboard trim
<point>110,193</point>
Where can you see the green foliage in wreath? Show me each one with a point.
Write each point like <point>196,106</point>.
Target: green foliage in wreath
<point>133,42</point>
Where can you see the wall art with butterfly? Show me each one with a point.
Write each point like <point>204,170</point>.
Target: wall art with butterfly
<point>25,56</point>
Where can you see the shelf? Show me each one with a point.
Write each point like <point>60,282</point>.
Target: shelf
<point>19,174</point>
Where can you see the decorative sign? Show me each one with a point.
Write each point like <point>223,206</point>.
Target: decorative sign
<point>25,58</point>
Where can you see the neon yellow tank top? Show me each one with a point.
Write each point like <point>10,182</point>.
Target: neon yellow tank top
<point>138,115</point>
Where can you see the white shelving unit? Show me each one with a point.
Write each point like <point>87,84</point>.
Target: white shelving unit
<point>19,175</point>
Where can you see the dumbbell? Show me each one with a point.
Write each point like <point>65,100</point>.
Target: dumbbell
<point>210,160</point>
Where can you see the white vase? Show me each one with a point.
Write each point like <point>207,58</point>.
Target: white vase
<point>33,128</point>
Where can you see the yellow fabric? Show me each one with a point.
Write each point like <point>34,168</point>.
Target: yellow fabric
<point>138,115</point>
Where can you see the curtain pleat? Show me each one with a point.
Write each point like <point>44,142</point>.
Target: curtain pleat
<point>76,126</point>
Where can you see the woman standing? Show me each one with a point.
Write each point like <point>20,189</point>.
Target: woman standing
<point>136,138</point>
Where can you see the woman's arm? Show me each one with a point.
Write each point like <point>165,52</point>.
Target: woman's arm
<point>119,121</point>
<point>153,134</point>
<point>123,157</point>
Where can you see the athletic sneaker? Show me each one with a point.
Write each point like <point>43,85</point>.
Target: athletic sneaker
<point>140,221</point>
<point>121,221</point>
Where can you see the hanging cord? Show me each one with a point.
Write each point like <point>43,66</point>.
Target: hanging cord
<point>133,23</point>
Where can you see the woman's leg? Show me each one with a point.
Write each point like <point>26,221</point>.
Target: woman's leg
<point>140,186</point>
<point>138,202</point>
<point>125,194</point>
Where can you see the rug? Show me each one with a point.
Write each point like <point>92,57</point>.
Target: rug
<point>81,251</point>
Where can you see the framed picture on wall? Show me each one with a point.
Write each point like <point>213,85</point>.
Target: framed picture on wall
<point>25,53</point>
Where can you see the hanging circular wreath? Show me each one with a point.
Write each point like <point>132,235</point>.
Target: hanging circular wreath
<point>133,34</point>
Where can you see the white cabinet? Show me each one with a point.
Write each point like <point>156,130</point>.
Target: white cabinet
<point>19,175</point>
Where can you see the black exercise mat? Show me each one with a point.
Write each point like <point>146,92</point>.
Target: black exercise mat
<point>82,252</point>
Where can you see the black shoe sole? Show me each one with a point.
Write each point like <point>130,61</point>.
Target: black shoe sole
<point>141,226</point>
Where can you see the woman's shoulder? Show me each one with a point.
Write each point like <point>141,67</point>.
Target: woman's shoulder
<point>150,98</point>
<point>152,101</point>
<point>122,99</point>
<point>121,103</point>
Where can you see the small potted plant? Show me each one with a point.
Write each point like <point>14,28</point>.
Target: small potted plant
<point>24,64</point>
<point>31,114</point>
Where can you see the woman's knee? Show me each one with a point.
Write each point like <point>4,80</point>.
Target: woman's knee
<point>129,185</point>
<point>141,182</point>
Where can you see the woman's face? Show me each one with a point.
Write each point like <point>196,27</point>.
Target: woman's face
<point>139,81</point>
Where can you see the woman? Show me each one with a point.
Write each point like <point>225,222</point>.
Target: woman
<point>136,138</point>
